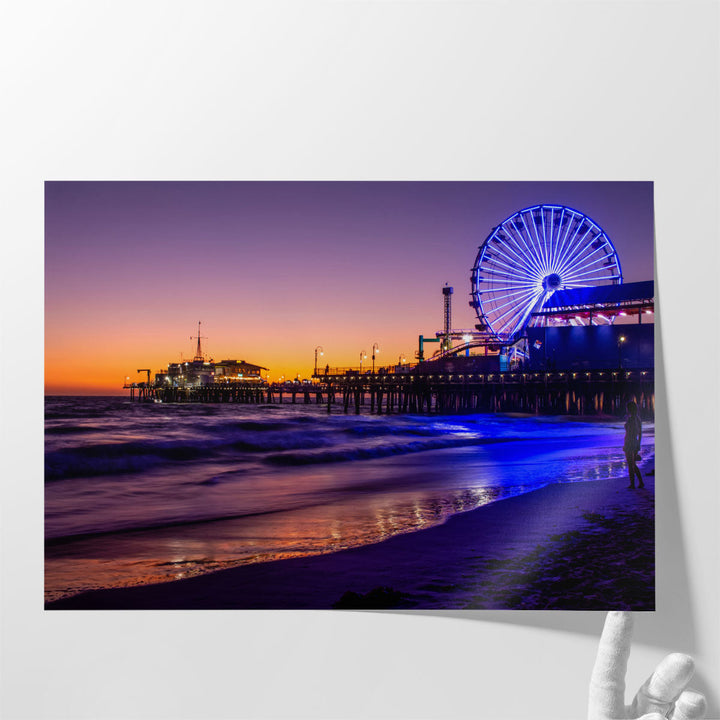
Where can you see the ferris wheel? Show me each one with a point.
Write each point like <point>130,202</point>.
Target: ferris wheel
<point>529,256</point>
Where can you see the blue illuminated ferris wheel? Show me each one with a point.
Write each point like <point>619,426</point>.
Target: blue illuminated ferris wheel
<point>529,256</point>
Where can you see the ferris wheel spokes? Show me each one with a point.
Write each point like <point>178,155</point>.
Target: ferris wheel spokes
<point>519,259</point>
<point>528,264</point>
<point>561,248</point>
<point>569,272</point>
<point>573,250</point>
<point>573,262</point>
<point>528,254</point>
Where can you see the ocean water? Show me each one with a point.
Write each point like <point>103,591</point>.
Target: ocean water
<point>146,492</point>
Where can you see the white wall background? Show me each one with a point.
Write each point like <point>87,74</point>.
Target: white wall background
<point>361,90</point>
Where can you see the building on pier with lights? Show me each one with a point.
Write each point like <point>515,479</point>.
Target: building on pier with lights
<point>199,372</point>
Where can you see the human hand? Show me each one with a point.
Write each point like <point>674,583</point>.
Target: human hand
<point>663,695</point>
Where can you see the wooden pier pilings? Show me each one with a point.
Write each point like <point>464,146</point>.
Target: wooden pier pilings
<point>602,392</point>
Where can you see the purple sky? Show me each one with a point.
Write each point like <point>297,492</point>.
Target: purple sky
<point>274,269</point>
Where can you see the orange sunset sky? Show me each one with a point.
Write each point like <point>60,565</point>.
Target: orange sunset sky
<point>275,269</point>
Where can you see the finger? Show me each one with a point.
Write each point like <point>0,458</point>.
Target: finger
<point>607,682</point>
<point>664,686</point>
<point>653,716</point>
<point>690,705</point>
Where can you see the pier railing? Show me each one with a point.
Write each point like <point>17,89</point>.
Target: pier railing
<point>591,392</point>
<point>323,372</point>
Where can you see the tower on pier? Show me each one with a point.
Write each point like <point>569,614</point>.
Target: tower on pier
<point>447,311</point>
<point>198,352</point>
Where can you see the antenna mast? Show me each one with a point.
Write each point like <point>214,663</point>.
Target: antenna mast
<point>198,352</point>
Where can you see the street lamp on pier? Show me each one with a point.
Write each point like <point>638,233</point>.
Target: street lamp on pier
<point>363,356</point>
<point>375,349</point>
<point>621,341</point>
<point>322,352</point>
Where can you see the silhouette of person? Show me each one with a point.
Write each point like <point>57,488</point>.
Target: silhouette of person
<point>631,446</point>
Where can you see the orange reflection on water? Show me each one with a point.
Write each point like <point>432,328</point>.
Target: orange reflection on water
<point>166,554</point>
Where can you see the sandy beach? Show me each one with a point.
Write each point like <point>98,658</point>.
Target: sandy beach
<point>582,545</point>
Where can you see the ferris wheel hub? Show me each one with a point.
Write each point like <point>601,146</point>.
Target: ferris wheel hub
<point>551,282</point>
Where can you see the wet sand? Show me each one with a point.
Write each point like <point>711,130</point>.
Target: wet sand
<point>581,545</point>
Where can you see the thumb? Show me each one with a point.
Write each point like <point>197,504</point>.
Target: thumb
<point>690,705</point>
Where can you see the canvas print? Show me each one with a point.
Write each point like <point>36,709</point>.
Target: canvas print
<point>349,395</point>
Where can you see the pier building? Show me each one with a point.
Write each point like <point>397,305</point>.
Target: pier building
<point>605,327</point>
<point>236,371</point>
<point>198,373</point>
<point>186,374</point>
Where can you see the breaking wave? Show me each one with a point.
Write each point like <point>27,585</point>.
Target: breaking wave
<point>377,451</point>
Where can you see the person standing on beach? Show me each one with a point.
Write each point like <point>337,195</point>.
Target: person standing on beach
<point>633,439</point>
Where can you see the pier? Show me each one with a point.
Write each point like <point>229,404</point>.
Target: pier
<point>580,351</point>
<point>600,393</point>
